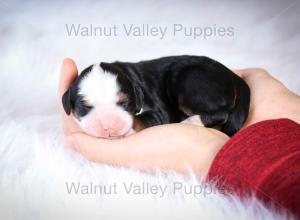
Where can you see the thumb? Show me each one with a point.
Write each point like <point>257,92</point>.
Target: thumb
<point>242,72</point>
<point>98,149</point>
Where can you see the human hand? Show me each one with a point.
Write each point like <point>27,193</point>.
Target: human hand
<point>270,99</point>
<point>176,147</point>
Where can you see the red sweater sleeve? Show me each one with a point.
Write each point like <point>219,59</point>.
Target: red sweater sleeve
<point>264,160</point>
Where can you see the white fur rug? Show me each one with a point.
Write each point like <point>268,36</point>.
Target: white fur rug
<point>36,169</point>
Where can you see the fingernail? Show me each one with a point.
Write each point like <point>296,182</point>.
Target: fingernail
<point>70,142</point>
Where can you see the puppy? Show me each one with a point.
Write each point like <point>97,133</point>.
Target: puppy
<point>109,100</point>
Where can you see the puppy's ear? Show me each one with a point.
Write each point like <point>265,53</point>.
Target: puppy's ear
<point>139,98</point>
<point>67,102</point>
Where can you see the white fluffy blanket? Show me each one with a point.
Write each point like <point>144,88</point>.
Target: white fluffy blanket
<point>36,170</point>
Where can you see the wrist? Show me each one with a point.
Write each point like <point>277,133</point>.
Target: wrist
<point>220,140</point>
<point>283,105</point>
<point>293,108</point>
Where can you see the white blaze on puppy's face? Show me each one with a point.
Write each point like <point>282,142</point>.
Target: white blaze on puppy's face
<point>106,119</point>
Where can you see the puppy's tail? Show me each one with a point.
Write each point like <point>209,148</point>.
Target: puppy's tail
<point>240,110</point>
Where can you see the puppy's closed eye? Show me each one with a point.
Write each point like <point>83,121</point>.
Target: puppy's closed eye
<point>82,108</point>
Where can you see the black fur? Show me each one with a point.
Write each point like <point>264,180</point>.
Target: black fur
<point>166,85</point>
<point>74,102</point>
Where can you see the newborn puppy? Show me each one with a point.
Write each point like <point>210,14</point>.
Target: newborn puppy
<point>110,100</point>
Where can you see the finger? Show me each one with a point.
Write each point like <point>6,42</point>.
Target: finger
<point>243,73</point>
<point>100,150</point>
<point>68,124</point>
<point>238,72</point>
<point>68,75</point>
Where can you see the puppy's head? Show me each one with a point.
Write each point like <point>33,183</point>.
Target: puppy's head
<point>103,102</point>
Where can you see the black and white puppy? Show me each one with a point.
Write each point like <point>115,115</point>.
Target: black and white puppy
<point>110,99</point>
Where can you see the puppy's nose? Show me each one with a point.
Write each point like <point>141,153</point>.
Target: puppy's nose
<point>107,130</point>
<point>112,127</point>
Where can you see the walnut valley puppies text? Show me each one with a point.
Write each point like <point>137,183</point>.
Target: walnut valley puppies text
<point>147,30</point>
<point>139,189</point>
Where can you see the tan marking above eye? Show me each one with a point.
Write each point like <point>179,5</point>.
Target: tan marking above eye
<point>121,98</point>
